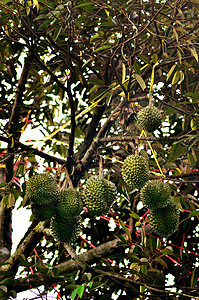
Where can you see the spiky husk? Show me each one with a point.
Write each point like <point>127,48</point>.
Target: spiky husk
<point>42,189</point>
<point>165,221</point>
<point>155,194</point>
<point>44,212</point>
<point>135,171</point>
<point>111,192</point>
<point>66,229</point>
<point>149,118</point>
<point>70,203</point>
<point>95,196</point>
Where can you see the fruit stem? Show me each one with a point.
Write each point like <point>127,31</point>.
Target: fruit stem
<point>101,167</point>
<point>150,100</point>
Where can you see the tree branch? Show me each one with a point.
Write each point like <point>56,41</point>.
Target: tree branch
<point>6,213</point>
<point>67,267</point>
<point>87,159</point>
<point>18,145</point>
<point>143,138</point>
<point>25,248</point>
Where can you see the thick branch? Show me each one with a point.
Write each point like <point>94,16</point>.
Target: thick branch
<point>18,145</point>
<point>87,159</point>
<point>6,213</point>
<point>24,248</point>
<point>67,267</point>
<point>16,110</point>
<point>143,138</point>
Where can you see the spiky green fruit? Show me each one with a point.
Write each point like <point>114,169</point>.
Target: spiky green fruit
<point>135,171</point>
<point>165,221</point>
<point>149,118</point>
<point>111,192</point>
<point>44,212</point>
<point>95,196</point>
<point>155,194</point>
<point>66,229</point>
<point>70,203</point>
<point>42,189</point>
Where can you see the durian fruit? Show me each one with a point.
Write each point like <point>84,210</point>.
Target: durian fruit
<point>149,118</point>
<point>70,203</point>
<point>66,229</point>
<point>111,192</point>
<point>165,221</point>
<point>155,194</point>
<point>135,171</point>
<point>42,189</point>
<point>44,212</point>
<point>95,196</point>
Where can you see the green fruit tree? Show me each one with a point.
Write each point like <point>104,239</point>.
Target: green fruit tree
<point>99,135</point>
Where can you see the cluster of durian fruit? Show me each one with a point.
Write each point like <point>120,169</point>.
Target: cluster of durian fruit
<point>63,208</point>
<point>155,194</point>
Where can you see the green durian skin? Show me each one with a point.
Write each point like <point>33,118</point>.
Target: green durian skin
<point>70,203</point>
<point>155,194</point>
<point>42,189</point>
<point>149,118</point>
<point>44,212</point>
<point>165,221</point>
<point>66,230</point>
<point>111,192</point>
<point>135,172</point>
<point>95,196</point>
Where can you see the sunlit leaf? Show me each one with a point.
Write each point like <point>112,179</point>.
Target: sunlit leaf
<point>105,47</point>
<point>170,72</point>
<point>140,81</point>
<point>194,53</point>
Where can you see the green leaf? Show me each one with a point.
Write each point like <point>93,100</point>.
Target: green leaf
<point>192,96</point>
<point>144,59</point>
<point>73,294</point>
<point>120,237</point>
<point>167,251</point>
<point>161,261</point>
<point>125,229</point>
<point>4,288</point>
<point>170,72</point>
<point>84,4</point>
<point>154,58</point>
<point>181,76</point>
<point>105,47</point>
<point>3,184</point>
<point>176,151</point>
<point>123,72</point>
<point>194,277</point>
<point>133,265</point>
<point>134,215</point>
<point>176,78</point>
<point>80,290</point>
<point>194,213</point>
<point>7,281</point>
<point>95,38</point>
<point>12,143</point>
<point>136,67</point>
<point>194,53</point>
<point>175,34</point>
<point>86,62</point>
<point>140,81</point>
<point>11,200</point>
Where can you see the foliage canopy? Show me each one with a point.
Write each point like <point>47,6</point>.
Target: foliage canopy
<point>78,72</point>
